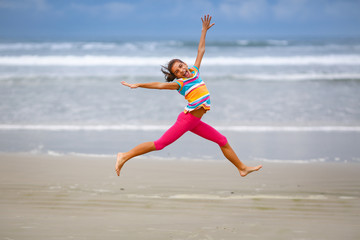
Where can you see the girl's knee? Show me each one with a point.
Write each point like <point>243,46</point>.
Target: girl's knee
<point>159,145</point>
<point>222,141</point>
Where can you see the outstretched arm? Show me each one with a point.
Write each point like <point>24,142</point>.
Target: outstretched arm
<point>201,49</point>
<point>153,85</point>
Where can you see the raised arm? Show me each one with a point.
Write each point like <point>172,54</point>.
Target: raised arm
<point>153,85</point>
<point>206,25</point>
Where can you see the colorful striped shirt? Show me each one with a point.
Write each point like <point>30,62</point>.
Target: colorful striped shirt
<point>194,90</point>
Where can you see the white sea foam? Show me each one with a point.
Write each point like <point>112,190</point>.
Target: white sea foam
<point>289,60</point>
<point>39,150</point>
<point>126,127</point>
<point>297,76</point>
<point>85,127</point>
<point>87,46</point>
<point>290,128</point>
<point>55,154</point>
<point>92,155</point>
<point>233,197</point>
<point>103,60</point>
<point>26,76</point>
<point>184,159</point>
<point>99,46</point>
<point>76,154</point>
<point>105,45</point>
<point>298,161</point>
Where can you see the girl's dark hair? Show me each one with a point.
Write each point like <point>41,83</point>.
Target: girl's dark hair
<point>166,70</point>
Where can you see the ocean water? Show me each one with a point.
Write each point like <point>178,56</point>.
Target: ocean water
<point>294,100</point>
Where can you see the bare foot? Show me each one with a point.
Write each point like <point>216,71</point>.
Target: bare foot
<point>248,170</point>
<point>119,163</point>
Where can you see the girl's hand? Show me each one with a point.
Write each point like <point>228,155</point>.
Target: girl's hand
<point>206,22</point>
<point>206,25</point>
<point>129,85</point>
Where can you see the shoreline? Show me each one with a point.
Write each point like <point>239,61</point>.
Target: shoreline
<point>57,197</point>
<point>207,159</point>
<point>304,146</point>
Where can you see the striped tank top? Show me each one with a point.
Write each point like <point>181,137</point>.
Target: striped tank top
<point>194,90</point>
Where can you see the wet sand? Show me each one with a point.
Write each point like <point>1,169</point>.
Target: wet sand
<point>72,197</point>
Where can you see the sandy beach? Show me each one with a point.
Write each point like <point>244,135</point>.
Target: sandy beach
<point>72,197</point>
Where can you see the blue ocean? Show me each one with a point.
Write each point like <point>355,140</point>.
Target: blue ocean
<point>286,100</point>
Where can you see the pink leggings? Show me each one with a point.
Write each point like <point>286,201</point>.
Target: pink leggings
<point>188,122</point>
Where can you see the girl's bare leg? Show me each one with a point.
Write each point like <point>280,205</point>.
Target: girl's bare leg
<point>233,158</point>
<point>140,149</point>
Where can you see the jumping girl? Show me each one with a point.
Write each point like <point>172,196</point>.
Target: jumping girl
<point>189,84</point>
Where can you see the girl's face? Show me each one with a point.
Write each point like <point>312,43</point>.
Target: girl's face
<point>180,70</point>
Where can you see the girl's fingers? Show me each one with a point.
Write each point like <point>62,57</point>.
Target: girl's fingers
<point>125,83</point>
<point>129,84</point>
<point>206,20</point>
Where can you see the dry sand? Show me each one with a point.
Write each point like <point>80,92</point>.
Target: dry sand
<point>68,197</point>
